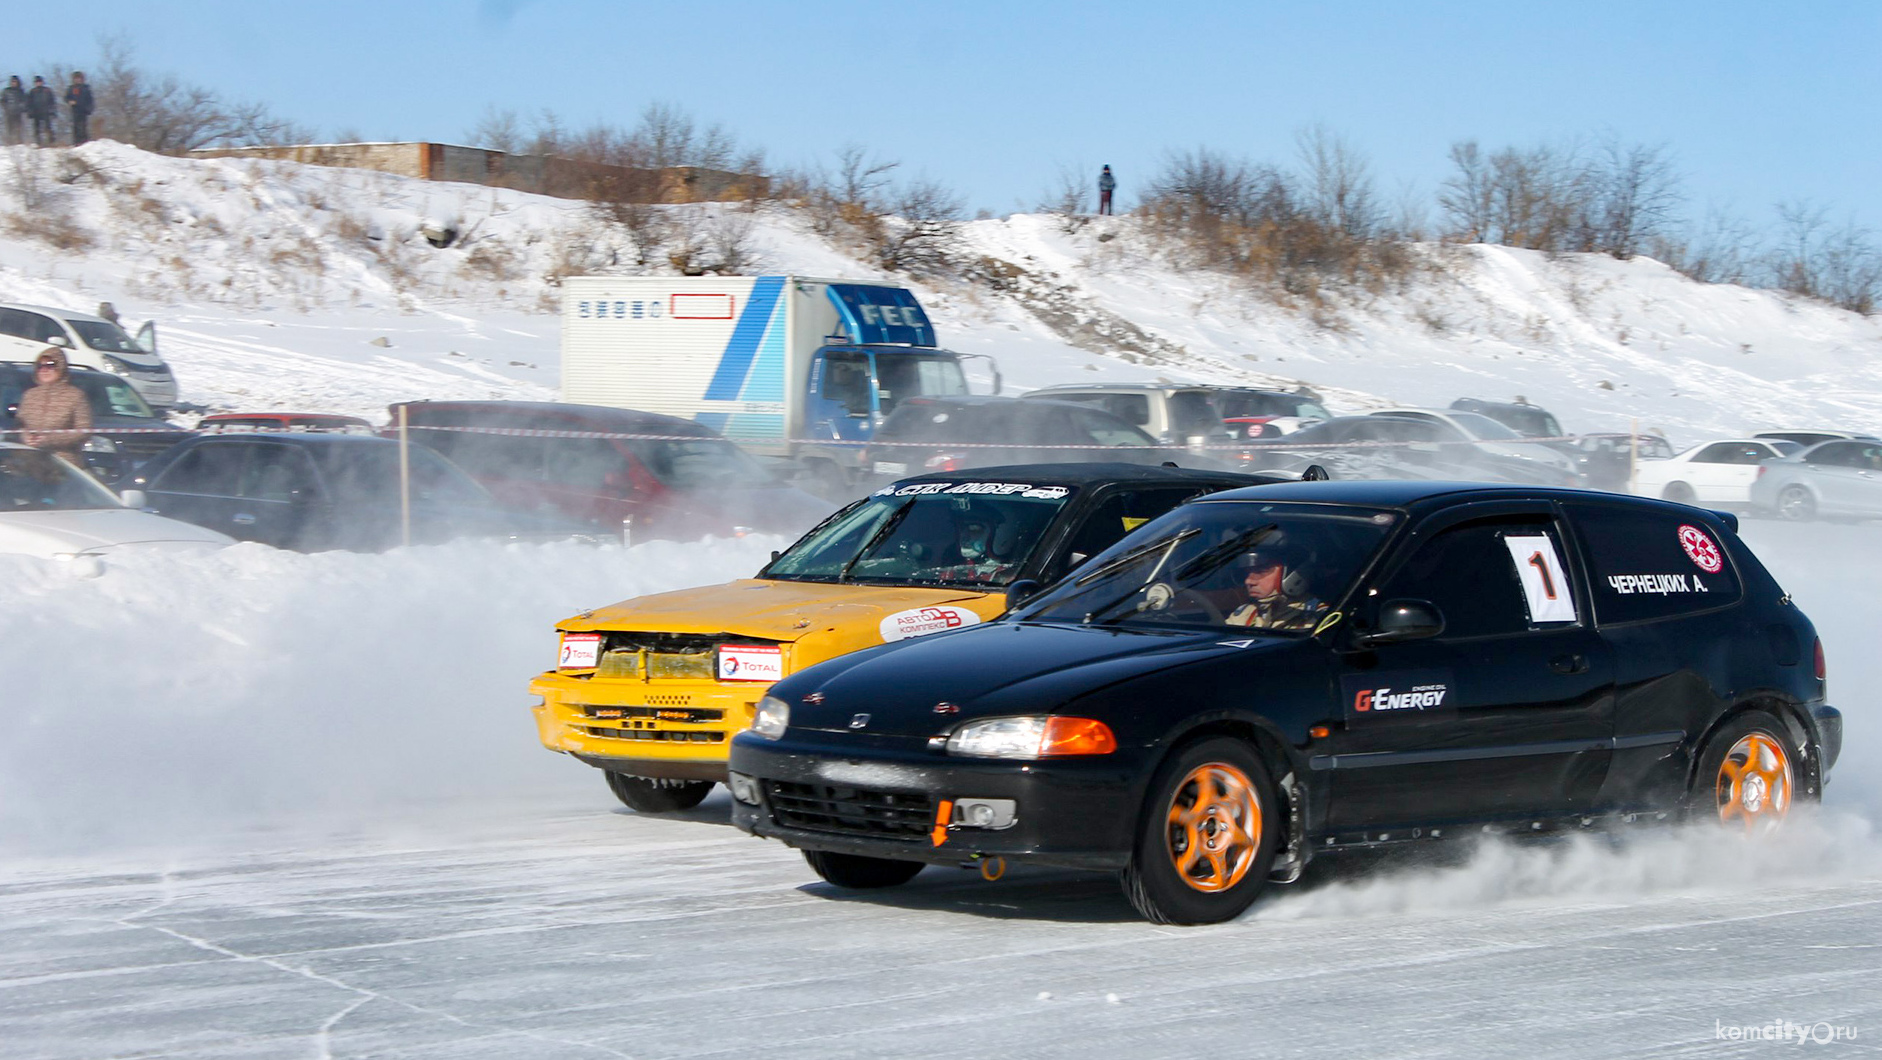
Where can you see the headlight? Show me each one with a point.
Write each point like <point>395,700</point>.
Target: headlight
<point>1039,736</point>
<point>115,365</point>
<point>774,716</point>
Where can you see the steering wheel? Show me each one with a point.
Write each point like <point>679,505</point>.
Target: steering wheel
<point>1162,598</point>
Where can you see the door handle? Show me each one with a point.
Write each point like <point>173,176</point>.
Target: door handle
<point>243,519</point>
<point>1569,664</point>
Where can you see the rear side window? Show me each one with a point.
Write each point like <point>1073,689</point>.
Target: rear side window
<point>1490,578</point>
<point>1650,565</point>
<point>212,470</point>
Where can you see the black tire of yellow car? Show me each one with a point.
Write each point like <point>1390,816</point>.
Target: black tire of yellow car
<point>858,873</point>
<point>657,796</point>
<point>1702,797</point>
<point>1679,492</point>
<point>1151,880</point>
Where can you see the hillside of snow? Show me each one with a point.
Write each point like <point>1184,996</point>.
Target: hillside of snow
<point>280,285</point>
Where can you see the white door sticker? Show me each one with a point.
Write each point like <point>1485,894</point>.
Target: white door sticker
<point>1545,583</point>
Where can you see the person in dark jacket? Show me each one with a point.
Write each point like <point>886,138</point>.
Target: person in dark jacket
<point>13,106</point>
<point>1106,185</point>
<point>78,97</point>
<point>41,104</point>
<point>54,415</point>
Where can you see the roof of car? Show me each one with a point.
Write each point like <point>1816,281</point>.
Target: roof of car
<point>1400,493</point>
<point>1123,387</point>
<point>1093,474</point>
<point>63,314</point>
<point>628,420</point>
<point>219,417</point>
<point>301,438</point>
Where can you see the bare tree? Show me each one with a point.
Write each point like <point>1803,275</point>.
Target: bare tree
<point>923,233</point>
<point>1468,196</point>
<point>164,115</point>
<point>1632,193</point>
<point>860,175</point>
<point>498,130</point>
<point>1339,188</point>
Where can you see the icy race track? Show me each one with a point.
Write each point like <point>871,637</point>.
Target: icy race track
<point>272,805</point>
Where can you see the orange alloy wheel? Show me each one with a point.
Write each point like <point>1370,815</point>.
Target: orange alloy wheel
<point>1215,827</point>
<point>1755,782</point>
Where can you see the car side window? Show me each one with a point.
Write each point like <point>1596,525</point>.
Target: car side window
<point>1103,430</point>
<point>1483,584</point>
<point>1832,456</point>
<point>13,322</point>
<point>1716,453</point>
<point>583,463</point>
<point>1118,514</point>
<point>213,469</point>
<point>43,328</point>
<point>277,473</point>
<point>1648,565</point>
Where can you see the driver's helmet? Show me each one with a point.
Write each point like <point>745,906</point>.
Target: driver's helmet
<point>976,524</point>
<point>1279,553</point>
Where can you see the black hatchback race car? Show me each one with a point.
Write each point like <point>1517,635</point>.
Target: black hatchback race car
<point>1274,671</point>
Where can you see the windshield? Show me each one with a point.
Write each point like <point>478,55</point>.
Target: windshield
<point>370,472</point>
<point>105,336</point>
<point>109,395</point>
<point>1224,565</point>
<point>701,463</point>
<point>31,480</point>
<point>1482,427</point>
<point>975,533</point>
<point>1192,413</point>
<point>904,375</point>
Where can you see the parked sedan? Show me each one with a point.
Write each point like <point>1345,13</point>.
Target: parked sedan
<point>1711,473</point>
<point>315,492</point>
<point>1835,478</point>
<point>1450,660</point>
<point>50,508</point>
<point>950,434</point>
<point>1608,460</point>
<point>1409,447</point>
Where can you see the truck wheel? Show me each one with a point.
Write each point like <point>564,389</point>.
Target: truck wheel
<point>1207,838</point>
<point>1747,774</point>
<point>858,873</point>
<point>657,796</point>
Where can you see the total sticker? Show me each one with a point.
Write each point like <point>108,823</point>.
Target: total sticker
<point>751,662</point>
<point>921,621</point>
<point>580,651</point>
<point>1701,549</point>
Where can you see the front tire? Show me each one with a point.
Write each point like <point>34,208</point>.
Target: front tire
<point>857,873</point>
<point>1207,838</point>
<point>657,796</point>
<point>1679,492</point>
<point>1748,775</point>
<point>1796,504</point>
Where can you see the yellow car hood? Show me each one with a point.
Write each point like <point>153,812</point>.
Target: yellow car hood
<point>774,610</point>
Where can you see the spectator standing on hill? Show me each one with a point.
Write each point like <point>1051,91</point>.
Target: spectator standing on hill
<point>54,414</point>
<point>13,106</point>
<point>1106,185</point>
<point>78,96</point>
<point>41,104</point>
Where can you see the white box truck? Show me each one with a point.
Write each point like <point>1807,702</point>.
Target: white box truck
<point>786,366</point>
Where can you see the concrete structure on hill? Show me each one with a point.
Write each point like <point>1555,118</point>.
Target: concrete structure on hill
<point>541,174</point>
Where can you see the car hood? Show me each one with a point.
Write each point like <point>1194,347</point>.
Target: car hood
<point>772,610</point>
<point>997,669</point>
<point>97,530</point>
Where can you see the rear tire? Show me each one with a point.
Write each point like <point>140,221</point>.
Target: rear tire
<point>1749,775</point>
<point>1796,504</point>
<point>1207,837</point>
<point>657,796</point>
<point>857,873</point>
<point>1679,492</point>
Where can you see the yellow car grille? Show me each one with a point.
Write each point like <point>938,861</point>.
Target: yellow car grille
<point>668,735</point>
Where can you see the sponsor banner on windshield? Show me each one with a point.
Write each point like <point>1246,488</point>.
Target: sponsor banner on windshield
<point>981,489</point>
<point>751,662</point>
<point>921,621</point>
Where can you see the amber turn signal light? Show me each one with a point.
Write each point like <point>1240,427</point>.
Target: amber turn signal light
<point>1076,736</point>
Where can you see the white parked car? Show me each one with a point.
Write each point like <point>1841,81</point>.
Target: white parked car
<point>91,341</point>
<point>51,509</point>
<point>1719,472</point>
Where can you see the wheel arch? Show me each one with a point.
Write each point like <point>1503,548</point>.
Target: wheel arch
<point>1789,713</point>
<point>1276,753</point>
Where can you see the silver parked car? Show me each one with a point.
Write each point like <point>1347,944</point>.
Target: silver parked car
<point>1837,478</point>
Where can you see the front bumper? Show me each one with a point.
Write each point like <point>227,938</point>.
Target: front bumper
<point>892,803</point>
<point>670,730</point>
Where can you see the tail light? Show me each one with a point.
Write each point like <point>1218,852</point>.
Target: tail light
<point>1818,652</point>
<point>946,462</point>
<point>1761,470</point>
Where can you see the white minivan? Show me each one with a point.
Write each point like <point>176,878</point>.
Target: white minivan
<point>90,341</point>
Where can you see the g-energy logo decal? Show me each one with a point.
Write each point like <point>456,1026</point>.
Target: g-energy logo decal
<point>1375,695</point>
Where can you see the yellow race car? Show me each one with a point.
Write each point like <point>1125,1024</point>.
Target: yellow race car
<point>651,690</point>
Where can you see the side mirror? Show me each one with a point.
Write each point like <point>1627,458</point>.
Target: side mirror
<point>1021,591</point>
<point>1315,473</point>
<point>135,499</point>
<point>1402,620</point>
<point>58,340</point>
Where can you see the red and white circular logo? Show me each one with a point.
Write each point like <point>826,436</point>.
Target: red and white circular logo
<point>1701,549</point>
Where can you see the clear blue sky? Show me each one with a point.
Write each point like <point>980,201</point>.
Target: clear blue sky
<point>1759,102</point>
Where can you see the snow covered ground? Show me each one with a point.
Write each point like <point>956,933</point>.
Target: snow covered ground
<point>262,804</point>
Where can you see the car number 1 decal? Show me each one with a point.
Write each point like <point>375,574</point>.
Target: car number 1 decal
<point>1545,583</point>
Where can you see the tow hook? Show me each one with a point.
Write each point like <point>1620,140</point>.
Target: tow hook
<point>990,868</point>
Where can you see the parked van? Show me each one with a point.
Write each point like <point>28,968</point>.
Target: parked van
<point>656,477</point>
<point>91,342</point>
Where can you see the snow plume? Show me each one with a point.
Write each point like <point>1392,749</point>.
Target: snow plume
<point>1813,847</point>
<point>192,699</point>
